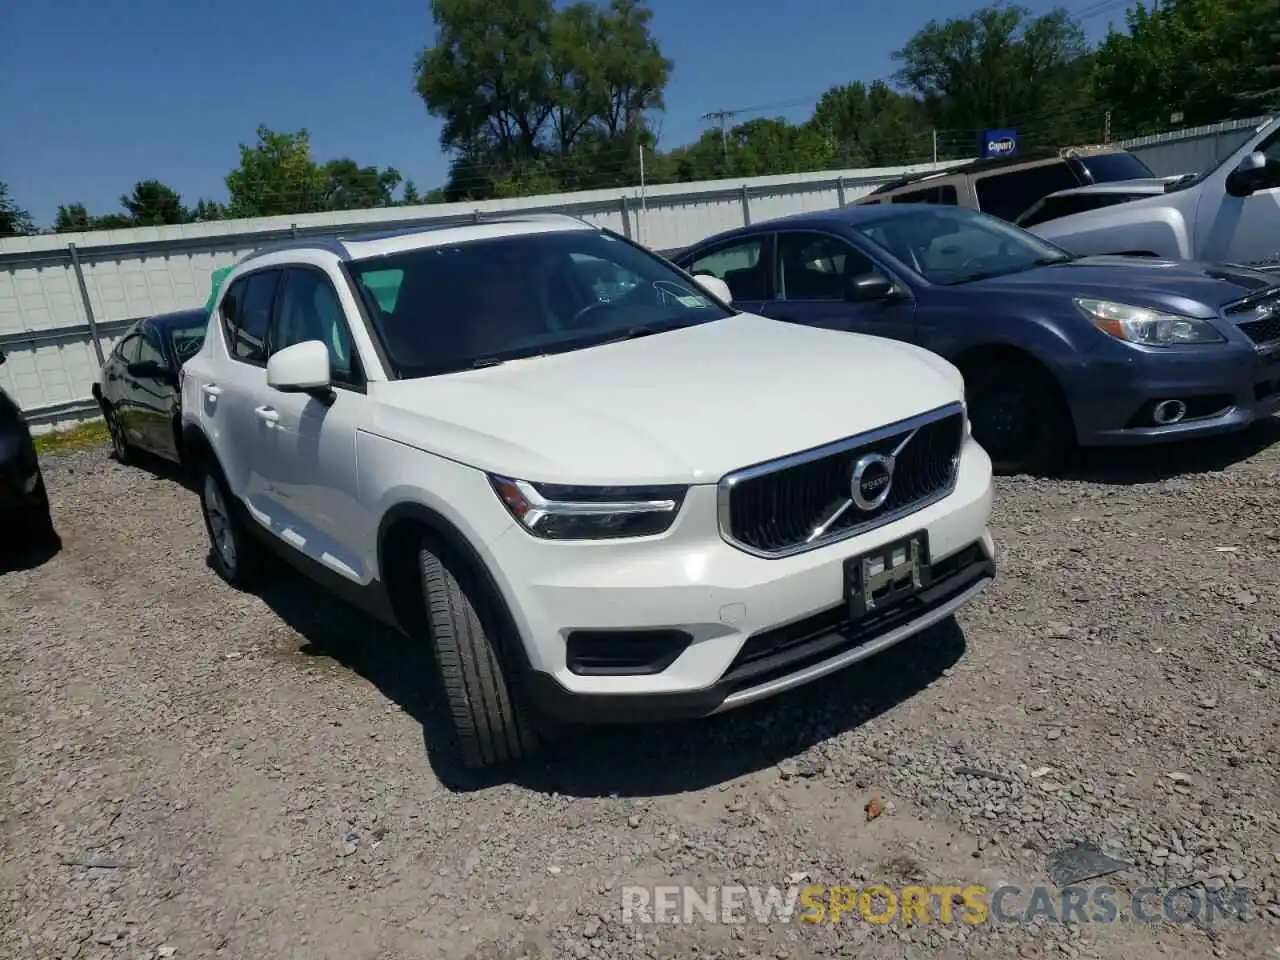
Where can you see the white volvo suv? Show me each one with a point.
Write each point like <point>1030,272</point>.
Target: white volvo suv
<point>598,492</point>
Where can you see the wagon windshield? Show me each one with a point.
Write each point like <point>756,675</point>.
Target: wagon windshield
<point>954,245</point>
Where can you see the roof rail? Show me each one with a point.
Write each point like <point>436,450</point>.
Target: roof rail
<point>332,244</point>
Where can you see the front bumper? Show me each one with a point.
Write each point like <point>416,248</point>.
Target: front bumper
<point>752,627</point>
<point>1225,387</point>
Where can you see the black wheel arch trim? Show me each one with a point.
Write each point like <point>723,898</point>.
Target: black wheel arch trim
<point>447,531</point>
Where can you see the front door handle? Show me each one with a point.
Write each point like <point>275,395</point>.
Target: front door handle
<point>211,390</point>
<point>267,414</point>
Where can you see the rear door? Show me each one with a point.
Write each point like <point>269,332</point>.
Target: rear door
<point>813,283</point>
<point>744,263</point>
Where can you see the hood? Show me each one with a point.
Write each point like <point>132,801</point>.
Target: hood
<point>1187,287</point>
<point>685,406</point>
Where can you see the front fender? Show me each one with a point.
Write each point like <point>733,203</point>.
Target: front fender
<point>1160,230</point>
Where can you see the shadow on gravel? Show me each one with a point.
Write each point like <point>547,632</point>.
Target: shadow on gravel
<point>158,467</point>
<point>15,561</point>
<point>634,761</point>
<point>1134,465</point>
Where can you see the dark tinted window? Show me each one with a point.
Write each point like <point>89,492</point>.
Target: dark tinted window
<point>127,350</point>
<point>740,264</point>
<point>310,310</point>
<point>246,310</point>
<point>1008,195</point>
<point>813,266</point>
<point>1109,167</point>
<point>943,193</point>
<point>484,302</point>
<point>150,349</point>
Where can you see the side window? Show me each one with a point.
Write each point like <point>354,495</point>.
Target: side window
<point>246,314</point>
<point>149,348</point>
<point>310,310</point>
<point>740,264</point>
<point>942,194</point>
<point>127,350</point>
<point>1009,195</point>
<point>813,266</point>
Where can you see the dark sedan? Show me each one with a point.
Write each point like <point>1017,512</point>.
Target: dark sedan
<point>1056,350</point>
<point>138,386</point>
<point>24,502</point>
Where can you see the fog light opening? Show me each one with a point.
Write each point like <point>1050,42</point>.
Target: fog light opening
<point>1169,411</point>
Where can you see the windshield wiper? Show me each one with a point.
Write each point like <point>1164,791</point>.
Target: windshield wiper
<point>487,362</point>
<point>1052,261</point>
<point>633,334</point>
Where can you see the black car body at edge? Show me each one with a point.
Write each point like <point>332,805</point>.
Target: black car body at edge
<point>24,502</point>
<point>137,389</point>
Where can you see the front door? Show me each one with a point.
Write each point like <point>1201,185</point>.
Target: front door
<point>308,458</point>
<point>1242,230</point>
<point>743,263</point>
<point>815,284</point>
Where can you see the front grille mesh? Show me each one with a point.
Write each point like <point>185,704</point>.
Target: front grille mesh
<point>1263,330</point>
<point>775,512</point>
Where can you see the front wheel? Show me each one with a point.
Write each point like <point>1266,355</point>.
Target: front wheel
<point>1017,417</point>
<point>490,717</point>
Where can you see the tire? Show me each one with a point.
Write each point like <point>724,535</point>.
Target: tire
<point>121,449</point>
<point>234,554</point>
<point>1017,416</point>
<point>491,720</point>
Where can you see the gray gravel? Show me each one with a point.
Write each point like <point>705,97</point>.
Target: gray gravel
<point>191,772</point>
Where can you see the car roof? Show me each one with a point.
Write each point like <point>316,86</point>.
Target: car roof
<point>834,218</point>
<point>973,167</point>
<point>359,246</point>
<point>178,318</point>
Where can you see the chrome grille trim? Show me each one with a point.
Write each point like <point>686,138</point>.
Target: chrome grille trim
<point>729,481</point>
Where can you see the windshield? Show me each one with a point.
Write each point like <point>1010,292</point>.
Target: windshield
<point>1110,167</point>
<point>188,339</point>
<point>950,245</point>
<point>483,302</point>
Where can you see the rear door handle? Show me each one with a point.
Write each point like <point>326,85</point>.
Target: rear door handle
<point>267,414</point>
<point>211,390</point>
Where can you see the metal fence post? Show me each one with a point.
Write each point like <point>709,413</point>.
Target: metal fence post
<point>746,206</point>
<point>840,198</point>
<point>88,307</point>
<point>626,217</point>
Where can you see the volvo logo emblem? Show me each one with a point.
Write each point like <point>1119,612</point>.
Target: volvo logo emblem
<point>871,482</point>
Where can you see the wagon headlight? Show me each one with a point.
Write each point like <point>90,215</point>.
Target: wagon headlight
<point>557,511</point>
<point>1148,327</point>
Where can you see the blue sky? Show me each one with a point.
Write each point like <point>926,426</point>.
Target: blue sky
<point>103,93</point>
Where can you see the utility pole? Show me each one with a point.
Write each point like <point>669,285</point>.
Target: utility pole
<point>1106,135</point>
<point>722,116</point>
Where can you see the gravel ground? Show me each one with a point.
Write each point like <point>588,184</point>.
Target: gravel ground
<point>191,772</point>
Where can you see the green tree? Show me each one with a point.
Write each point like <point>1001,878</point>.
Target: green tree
<point>153,204</point>
<point>353,187</point>
<point>872,126</point>
<point>1000,66</point>
<point>14,221</point>
<point>1207,60</point>
<point>277,176</point>
<point>527,91</point>
<point>207,210</point>
<point>411,196</point>
<point>754,148</point>
<point>75,218</point>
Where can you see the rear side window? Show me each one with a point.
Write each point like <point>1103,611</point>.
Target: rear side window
<point>246,313</point>
<point>944,193</point>
<point>1009,195</point>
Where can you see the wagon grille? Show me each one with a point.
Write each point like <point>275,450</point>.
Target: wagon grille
<point>805,501</point>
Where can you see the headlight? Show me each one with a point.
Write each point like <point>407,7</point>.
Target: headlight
<point>558,512</point>
<point>1145,326</point>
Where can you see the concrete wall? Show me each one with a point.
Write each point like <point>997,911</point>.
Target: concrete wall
<point>65,299</point>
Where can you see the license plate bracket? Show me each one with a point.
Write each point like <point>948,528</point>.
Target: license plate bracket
<point>879,579</point>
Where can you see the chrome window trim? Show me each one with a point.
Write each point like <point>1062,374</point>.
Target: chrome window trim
<point>724,488</point>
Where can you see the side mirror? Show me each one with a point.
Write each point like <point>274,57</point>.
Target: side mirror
<point>147,370</point>
<point>869,286</point>
<point>1249,176</point>
<point>715,286</point>
<point>301,368</point>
